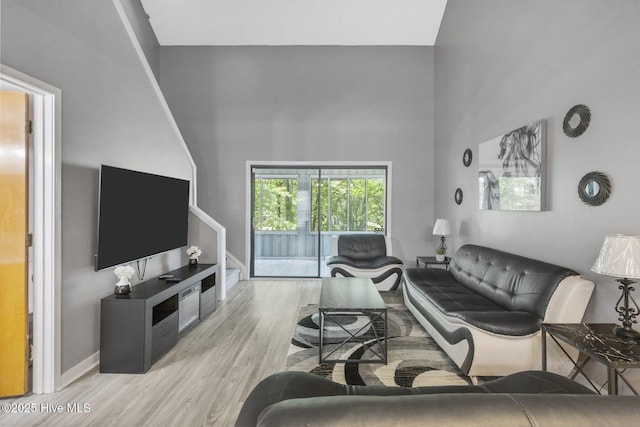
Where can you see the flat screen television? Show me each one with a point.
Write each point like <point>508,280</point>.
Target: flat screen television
<point>139,215</point>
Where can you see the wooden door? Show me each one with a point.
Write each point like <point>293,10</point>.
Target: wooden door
<point>14,140</point>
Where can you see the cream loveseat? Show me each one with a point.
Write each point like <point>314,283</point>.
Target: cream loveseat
<point>485,312</point>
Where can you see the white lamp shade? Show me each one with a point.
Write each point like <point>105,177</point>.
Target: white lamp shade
<point>619,257</point>
<point>442,228</point>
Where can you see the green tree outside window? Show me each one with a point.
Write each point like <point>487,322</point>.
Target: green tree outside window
<point>348,204</point>
<point>275,204</point>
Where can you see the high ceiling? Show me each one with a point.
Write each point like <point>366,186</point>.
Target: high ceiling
<point>295,22</point>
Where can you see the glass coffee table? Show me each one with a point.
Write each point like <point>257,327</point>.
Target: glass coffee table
<point>352,308</point>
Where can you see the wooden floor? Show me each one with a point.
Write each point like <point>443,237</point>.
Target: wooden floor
<point>290,267</point>
<point>202,381</point>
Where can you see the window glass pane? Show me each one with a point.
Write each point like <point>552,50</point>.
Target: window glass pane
<point>299,211</point>
<point>338,205</point>
<point>357,204</point>
<point>349,202</point>
<point>319,213</point>
<point>375,204</point>
<point>275,204</point>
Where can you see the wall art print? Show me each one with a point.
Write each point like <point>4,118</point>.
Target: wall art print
<point>512,170</point>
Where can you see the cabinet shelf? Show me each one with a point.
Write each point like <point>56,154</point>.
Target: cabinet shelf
<point>138,328</point>
<point>164,309</point>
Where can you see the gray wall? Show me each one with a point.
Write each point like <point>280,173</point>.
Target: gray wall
<point>501,64</point>
<point>139,21</point>
<point>235,104</point>
<point>110,115</point>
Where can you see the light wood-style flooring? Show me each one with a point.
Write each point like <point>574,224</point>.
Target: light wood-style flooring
<point>290,267</point>
<point>202,381</point>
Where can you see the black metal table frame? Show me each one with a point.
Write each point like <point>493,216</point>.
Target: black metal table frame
<point>612,372</point>
<point>352,337</point>
<point>431,260</point>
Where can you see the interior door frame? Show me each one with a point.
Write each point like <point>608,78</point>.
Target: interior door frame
<point>46,226</point>
<point>307,164</point>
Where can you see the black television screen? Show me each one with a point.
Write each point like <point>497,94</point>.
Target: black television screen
<point>139,215</point>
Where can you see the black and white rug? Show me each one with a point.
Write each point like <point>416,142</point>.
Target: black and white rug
<point>414,359</point>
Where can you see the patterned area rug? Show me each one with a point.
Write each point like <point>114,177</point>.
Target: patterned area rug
<point>414,358</point>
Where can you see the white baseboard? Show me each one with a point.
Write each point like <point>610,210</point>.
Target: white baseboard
<point>72,374</point>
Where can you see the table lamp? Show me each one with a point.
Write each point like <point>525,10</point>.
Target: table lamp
<point>442,228</point>
<point>620,257</point>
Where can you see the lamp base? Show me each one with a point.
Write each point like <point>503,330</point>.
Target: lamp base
<point>627,333</point>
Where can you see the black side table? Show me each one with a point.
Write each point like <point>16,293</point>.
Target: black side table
<point>597,341</point>
<point>431,260</point>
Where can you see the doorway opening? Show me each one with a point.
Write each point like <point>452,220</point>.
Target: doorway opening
<point>46,136</point>
<point>296,212</point>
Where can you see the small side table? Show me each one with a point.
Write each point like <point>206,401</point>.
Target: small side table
<point>431,260</point>
<point>597,341</point>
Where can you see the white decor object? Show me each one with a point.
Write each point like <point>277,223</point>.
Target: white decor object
<point>194,252</point>
<point>124,273</point>
<point>620,257</point>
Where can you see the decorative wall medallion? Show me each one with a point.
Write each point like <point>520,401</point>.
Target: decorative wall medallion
<point>458,196</point>
<point>576,121</point>
<point>594,188</point>
<point>467,157</point>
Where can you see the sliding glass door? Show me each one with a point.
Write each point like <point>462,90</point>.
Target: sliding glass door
<point>296,212</point>
<point>283,244</point>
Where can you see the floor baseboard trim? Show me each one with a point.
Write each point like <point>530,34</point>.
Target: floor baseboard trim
<point>72,374</point>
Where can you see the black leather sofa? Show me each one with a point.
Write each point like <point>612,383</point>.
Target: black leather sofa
<point>531,398</point>
<point>366,255</point>
<point>486,310</point>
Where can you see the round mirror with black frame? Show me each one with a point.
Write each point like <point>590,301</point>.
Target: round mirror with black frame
<point>576,121</point>
<point>458,196</point>
<point>467,157</point>
<point>594,188</point>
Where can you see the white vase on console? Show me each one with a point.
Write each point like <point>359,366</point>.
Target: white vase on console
<point>124,274</point>
<point>194,253</point>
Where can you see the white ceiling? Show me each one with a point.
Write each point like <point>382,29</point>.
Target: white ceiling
<point>295,22</point>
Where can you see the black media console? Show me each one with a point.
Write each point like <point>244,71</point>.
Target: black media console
<point>138,328</point>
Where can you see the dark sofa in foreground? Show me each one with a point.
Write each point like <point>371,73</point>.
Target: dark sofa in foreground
<point>532,398</point>
<point>485,312</point>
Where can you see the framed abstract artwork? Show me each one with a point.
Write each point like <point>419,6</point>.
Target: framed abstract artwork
<point>511,170</point>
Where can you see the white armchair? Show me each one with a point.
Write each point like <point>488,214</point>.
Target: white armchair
<point>365,255</point>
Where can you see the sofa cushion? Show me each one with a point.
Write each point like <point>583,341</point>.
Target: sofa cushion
<point>512,323</point>
<point>454,300</point>
<point>447,410</point>
<point>362,246</point>
<point>289,385</point>
<point>439,287</point>
<point>535,382</point>
<point>379,262</point>
<point>511,281</point>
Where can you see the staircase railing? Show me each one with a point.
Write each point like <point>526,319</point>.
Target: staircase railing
<point>220,248</point>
